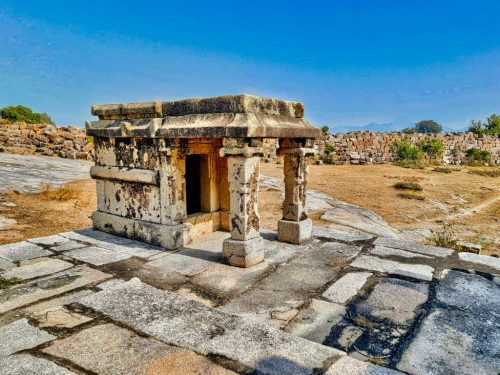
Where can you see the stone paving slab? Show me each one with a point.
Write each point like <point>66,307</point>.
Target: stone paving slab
<point>109,350</point>
<point>389,251</point>
<point>483,260</point>
<point>25,364</point>
<point>417,271</point>
<point>316,320</point>
<point>96,256</point>
<point>70,245</point>
<point>53,240</point>
<point>6,265</point>
<point>182,264</point>
<point>51,286</point>
<point>189,324</point>
<point>346,287</point>
<point>225,280</point>
<point>20,335</point>
<point>440,252</point>
<point>454,342</point>
<point>22,251</point>
<point>395,300</point>
<point>39,269</point>
<point>333,234</point>
<point>60,317</point>
<point>114,243</point>
<point>350,366</point>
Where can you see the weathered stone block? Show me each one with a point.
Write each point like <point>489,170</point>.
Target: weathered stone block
<point>296,232</point>
<point>243,253</point>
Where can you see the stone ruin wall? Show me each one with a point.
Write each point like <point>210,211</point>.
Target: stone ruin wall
<point>375,148</point>
<point>42,139</point>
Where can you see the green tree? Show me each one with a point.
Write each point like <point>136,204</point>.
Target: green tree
<point>428,126</point>
<point>408,130</point>
<point>491,126</point>
<point>22,113</point>
<point>325,130</point>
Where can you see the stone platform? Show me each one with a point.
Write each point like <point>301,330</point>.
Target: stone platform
<point>91,303</point>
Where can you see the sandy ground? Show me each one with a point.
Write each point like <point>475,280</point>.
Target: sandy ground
<point>469,202</point>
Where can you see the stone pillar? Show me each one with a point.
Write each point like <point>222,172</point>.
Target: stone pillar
<point>295,227</point>
<point>244,248</point>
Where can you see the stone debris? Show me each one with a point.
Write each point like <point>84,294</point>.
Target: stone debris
<point>21,335</point>
<point>25,364</point>
<point>316,320</point>
<point>22,251</point>
<point>169,318</point>
<point>483,260</point>
<point>346,287</point>
<point>50,286</point>
<point>440,252</point>
<point>395,300</point>
<point>350,366</point>
<point>38,269</point>
<point>108,349</point>
<point>96,256</point>
<point>417,271</point>
<point>389,251</point>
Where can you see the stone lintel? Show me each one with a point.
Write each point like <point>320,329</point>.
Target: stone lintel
<point>243,253</point>
<point>144,176</point>
<point>167,236</point>
<point>294,232</point>
<point>215,125</point>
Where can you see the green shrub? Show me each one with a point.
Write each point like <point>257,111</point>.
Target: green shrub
<point>408,186</point>
<point>433,149</point>
<point>328,153</point>
<point>408,154</point>
<point>21,113</point>
<point>476,156</point>
<point>325,130</point>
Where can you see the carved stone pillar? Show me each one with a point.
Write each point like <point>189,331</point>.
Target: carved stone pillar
<point>244,248</point>
<point>295,227</point>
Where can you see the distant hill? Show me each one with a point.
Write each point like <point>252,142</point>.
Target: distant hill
<point>393,126</point>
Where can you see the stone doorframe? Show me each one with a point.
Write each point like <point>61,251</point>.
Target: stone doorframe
<point>245,248</point>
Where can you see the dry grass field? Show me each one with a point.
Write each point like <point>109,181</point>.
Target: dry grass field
<point>468,199</point>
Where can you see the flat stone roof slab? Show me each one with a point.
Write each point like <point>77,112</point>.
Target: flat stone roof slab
<point>22,251</point>
<point>43,268</point>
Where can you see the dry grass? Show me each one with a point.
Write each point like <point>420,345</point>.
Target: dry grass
<point>53,210</point>
<point>411,196</point>
<point>442,170</point>
<point>408,186</point>
<point>491,172</point>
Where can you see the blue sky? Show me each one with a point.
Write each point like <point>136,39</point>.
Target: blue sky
<point>350,62</point>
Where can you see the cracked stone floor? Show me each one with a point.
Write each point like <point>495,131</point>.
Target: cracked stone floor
<point>91,303</point>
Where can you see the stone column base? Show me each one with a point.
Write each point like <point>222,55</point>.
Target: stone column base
<point>243,253</point>
<point>296,232</point>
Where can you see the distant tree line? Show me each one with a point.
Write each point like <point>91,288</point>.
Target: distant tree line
<point>491,126</point>
<point>424,126</point>
<point>21,113</point>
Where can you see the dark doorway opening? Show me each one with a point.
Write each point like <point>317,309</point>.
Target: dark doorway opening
<point>193,183</point>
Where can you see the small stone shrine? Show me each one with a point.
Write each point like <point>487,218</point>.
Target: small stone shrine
<point>171,171</point>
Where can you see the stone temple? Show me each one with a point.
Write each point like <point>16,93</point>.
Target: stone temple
<point>168,172</point>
